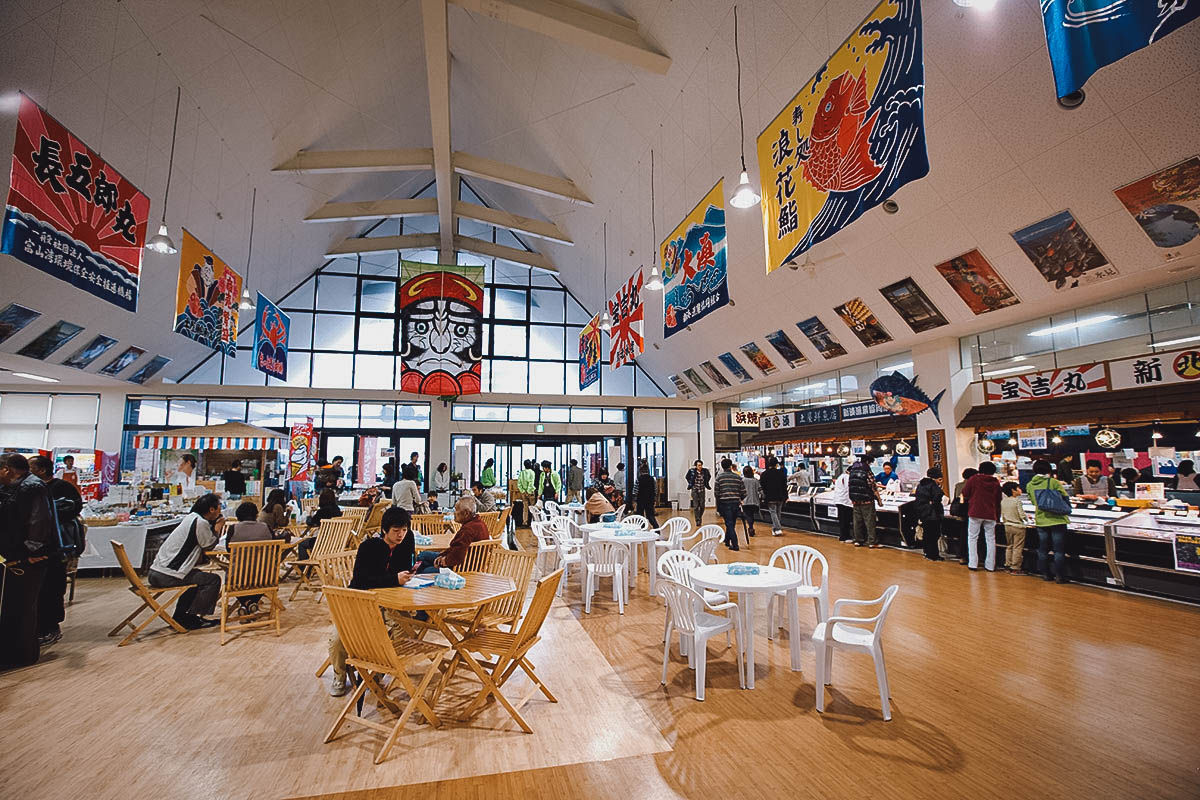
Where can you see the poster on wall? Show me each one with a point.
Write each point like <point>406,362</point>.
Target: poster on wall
<point>70,213</point>
<point>1031,439</point>
<point>1166,205</point>
<point>913,305</point>
<point>207,297</point>
<point>850,138</point>
<point>1083,379</point>
<point>681,388</point>
<point>735,366</point>
<point>697,381</point>
<point>300,455</point>
<point>149,369</point>
<point>441,328</point>
<point>711,370</point>
<point>693,264</point>
<point>1063,252</point>
<point>271,330</point>
<point>1179,366</point>
<point>787,348</point>
<point>14,318</point>
<point>821,338</point>
<point>589,353</point>
<point>977,283</point>
<point>84,356</point>
<point>863,322</point>
<point>123,361</point>
<point>1186,547</point>
<point>758,358</point>
<point>626,340</point>
<point>51,340</point>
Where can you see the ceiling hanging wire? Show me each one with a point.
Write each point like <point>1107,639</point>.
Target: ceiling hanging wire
<point>605,323</point>
<point>654,283</point>
<point>744,196</point>
<point>247,304</point>
<point>161,242</point>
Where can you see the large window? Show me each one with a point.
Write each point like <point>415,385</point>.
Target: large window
<point>344,331</point>
<point>31,421</point>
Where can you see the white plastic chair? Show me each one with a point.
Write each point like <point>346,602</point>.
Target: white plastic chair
<point>536,514</point>
<point>552,508</point>
<point>677,565</point>
<point>568,554</point>
<point>670,535</point>
<point>707,537</point>
<point>606,560</point>
<point>803,559</point>
<point>636,521</point>
<point>857,635</point>
<point>569,528</point>
<point>685,608</point>
<point>620,511</point>
<point>546,546</point>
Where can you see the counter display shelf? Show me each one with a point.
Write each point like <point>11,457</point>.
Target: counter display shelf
<point>1140,552</point>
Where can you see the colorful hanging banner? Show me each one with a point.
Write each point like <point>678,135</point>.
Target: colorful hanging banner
<point>300,455</point>
<point>271,330</point>
<point>206,300</point>
<point>850,138</point>
<point>626,340</point>
<point>70,214</point>
<point>441,328</point>
<point>589,353</point>
<point>694,274</point>
<point>1051,383</point>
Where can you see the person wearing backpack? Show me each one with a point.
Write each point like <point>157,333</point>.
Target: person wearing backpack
<point>1051,518</point>
<point>28,541</point>
<point>864,493</point>
<point>67,504</point>
<point>982,493</point>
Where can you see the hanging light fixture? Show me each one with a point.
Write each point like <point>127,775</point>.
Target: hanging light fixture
<point>1012,441</point>
<point>161,242</point>
<point>247,304</point>
<point>744,196</point>
<point>843,450</point>
<point>985,446</point>
<point>654,283</point>
<point>1108,438</point>
<point>1056,439</point>
<point>605,323</point>
<point>903,448</point>
<point>1155,435</point>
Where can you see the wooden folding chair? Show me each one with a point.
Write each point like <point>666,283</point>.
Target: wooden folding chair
<point>428,524</point>
<point>375,655</point>
<point>375,518</point>
<point>335,570</point>
<point>478,554</point>
<point>358,517</point>
<point>332,537</point>
<point>149,597</point>
<point>506,610</point>
<point>497,529</point>
<point>253,570</point>
<point>510,651</point>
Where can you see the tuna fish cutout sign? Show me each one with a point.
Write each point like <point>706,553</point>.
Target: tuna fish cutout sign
<point>850,138</point>
<point>899,395</point>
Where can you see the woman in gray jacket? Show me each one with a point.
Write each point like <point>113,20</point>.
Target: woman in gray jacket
<point>753,500</point>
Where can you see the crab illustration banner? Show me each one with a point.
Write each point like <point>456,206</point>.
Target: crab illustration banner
<point>271,330</point>
<point>589,353</point>
<point>441,328</point>
<point>627,340</point>
<point>695,280</point>
<point>206,300</point>
<point>850,138</point>
<point>70,214</point>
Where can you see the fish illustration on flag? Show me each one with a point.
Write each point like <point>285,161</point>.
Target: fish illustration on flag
<point>1085,35</point>
<point>850,138</point>
<point>626,340</point>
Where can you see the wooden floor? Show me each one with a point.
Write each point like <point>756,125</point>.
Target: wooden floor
<point>1002,687</point>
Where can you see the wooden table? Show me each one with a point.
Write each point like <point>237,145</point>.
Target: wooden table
<point>440,542</point>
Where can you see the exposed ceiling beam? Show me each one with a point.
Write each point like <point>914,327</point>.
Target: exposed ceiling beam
<point>384,244</point>
<point>492,250</point>
<point>437,72</point>
<point>519,178</point>
<point>398,160</point>
<point>374,209</point>
<point>513,222</point>
<point>576,24</point>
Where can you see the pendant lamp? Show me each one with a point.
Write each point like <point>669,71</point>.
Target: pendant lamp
<point>161,242</point>
<point>744,196</point>
<point>654,282</point>
<point>247,304</point>
<point>605,323</point>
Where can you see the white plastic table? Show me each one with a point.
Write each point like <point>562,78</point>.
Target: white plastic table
<point>598,532</point>
<point>577,513</point>
<point>768,581</point>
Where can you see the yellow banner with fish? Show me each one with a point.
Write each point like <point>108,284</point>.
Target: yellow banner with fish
<point>850,138</point>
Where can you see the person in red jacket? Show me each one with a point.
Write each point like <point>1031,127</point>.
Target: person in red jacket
<point>473,530</point>
<point>982,495</point>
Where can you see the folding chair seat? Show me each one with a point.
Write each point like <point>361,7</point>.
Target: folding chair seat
<point>150,597</point>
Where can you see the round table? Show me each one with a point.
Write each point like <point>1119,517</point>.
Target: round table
<point>599,532</point>
<point>768,581</point>
<point>575,512</point>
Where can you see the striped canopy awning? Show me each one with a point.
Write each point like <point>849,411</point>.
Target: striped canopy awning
<point>230,436</point>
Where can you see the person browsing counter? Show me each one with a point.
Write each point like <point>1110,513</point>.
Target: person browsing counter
<point>839,495</point>
<point>1092,485</point>
<point>864,494</point>
<point>1051,526</point>
<point>185,476</point>
<point>982,494</point>
<point>235,480</point>
<point>1185,477</point>
<point>472,529</point>
<point>929,510</point>
<point>1012,514</point>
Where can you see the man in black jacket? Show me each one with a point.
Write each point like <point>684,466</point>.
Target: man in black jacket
<point>28,541</point>
<point>382,561</point>
<point>775,492</point>
<point>697,482</point>
<point>67,505</point>
<point>645,490</point>
<point>864,493</point>
<point>929,510</point>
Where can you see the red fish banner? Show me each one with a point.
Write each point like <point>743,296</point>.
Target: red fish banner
<point>70,214</point>
<point>626,340</point>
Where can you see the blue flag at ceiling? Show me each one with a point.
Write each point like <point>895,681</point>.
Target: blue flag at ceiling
<point>1085,35</point>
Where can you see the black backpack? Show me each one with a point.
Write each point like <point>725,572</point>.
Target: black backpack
<point>72,533</point>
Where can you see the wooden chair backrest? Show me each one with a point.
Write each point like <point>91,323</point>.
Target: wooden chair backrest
<point>519,567</point>
<point>254,565</point>
<point>539,607</point>
<point>126,567</point>
<point>489,520</point>
<point>428,524</point>
<point>337,569</point>
<point>375,518</point>
<point>309,503</point>
<point>497,530</point>
<point>332,537</point>
<point>478,554</point>
<point>361,628</point>
<point>358,514</point>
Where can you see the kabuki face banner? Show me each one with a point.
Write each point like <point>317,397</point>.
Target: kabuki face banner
<point>441,338</point>
<point>626,340</point>
<point>72,215</point>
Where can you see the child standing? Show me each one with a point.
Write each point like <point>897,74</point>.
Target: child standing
<point>1013,517</point>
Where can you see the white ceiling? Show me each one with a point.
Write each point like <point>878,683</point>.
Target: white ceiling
<point>262,80</point>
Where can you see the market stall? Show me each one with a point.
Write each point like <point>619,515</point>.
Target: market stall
<point>216,448</point>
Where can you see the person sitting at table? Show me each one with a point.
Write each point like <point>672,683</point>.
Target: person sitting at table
<point>274,512</point>
<point>381,561</point>
<point>248,529</point>
<point>432,502</point>
<point>327,508</point>
<point>472,529</point>
<point>605,485</point>
<point>484,500</point>
<point>596,504</point>
<point>177,563</point>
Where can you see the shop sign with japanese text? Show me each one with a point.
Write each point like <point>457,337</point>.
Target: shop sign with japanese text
<point>1050,383</point>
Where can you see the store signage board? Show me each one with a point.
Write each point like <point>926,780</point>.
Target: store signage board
<point>997,435</point>
<point>858,447</point>
<point>1181,366</point>
<point>867,409</point>
<point>744,419</point>
<point>1050,383</point>
<point>1187,552</point>
<point>1031,438</point>
<point>1149,491</point>
<point>1075,430</point>
<point>935,441</point>
<point>774,422</point>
